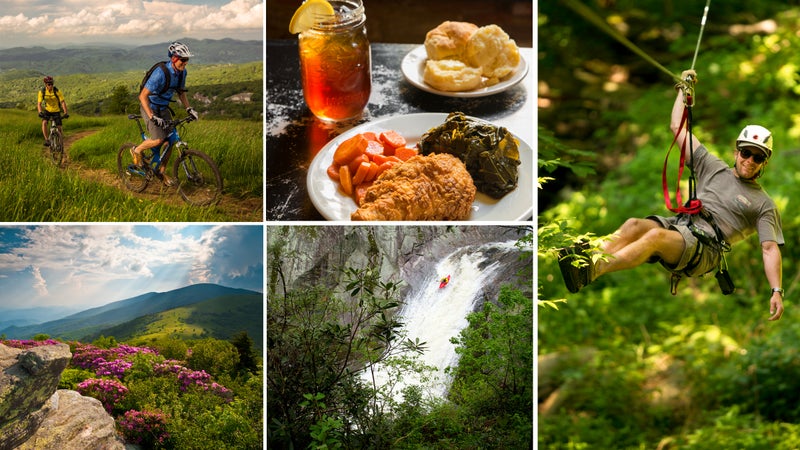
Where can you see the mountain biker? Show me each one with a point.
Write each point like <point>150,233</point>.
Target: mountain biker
<point>155,98</point>
<point>50,104</point>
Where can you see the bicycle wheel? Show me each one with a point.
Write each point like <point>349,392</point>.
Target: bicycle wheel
<point>133,177</point>
<point>56,148</point>
<point>198,178</point>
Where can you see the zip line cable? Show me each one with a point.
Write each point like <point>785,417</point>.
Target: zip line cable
<point>700,36</point>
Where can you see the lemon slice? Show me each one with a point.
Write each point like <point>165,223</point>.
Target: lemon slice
<point>308,13</point>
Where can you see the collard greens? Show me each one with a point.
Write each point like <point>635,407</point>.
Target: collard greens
<point>490,153</point>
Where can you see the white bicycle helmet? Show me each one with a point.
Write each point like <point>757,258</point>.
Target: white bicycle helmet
<point>180,50</point>
<point>757,136</point>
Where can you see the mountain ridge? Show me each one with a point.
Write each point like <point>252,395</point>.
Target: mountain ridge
<point>88,321</point>
<point>96,58</point>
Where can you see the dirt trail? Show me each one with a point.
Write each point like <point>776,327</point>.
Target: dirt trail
<point>247,210</point>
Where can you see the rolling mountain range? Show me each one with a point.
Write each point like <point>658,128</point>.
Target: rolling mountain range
<point>96,59</point>
<point>200,310</point>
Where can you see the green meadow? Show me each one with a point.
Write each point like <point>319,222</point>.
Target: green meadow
<point>87,188</point>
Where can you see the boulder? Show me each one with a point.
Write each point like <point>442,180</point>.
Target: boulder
<point>74,421</point>
<point>34,414</point>
<point>28,378</point>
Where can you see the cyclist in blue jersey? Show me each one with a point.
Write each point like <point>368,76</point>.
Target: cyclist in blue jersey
<point>155,97</point>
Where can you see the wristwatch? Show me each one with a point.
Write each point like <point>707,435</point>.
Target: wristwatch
<point>778,290</point>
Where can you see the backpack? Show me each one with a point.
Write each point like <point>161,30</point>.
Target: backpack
<point>167,77</point>
<point>55,92</point>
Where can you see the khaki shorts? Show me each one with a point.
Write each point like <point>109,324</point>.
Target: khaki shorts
<point>705,261</point>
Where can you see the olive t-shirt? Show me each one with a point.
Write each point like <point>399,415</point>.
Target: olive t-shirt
<point>740,207</point>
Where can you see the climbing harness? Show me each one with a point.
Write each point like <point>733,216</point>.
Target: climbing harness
<point>693,207</point>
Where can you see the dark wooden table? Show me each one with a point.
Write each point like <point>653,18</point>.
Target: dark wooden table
<point>294,135</point>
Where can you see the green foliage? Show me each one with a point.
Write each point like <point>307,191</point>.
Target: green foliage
<point>318,338</point>
<point>70,378</point>
<point>41,337</point>
<point>493,381</point>
<point>120,101</point>
<point>248,361</point>
<point>105,342</point>
<point>172,348</point>
<point>496,361</point>
<point>214,356</point>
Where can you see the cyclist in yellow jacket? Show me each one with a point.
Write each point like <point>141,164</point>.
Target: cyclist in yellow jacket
<point>50,104</point>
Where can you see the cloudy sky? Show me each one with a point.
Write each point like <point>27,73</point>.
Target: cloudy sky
<point>86,266</point>
<point>54,23</point>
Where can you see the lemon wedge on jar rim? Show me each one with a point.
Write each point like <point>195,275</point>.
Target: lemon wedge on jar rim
<point>307,14</point>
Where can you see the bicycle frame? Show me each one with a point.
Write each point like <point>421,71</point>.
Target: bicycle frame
<point>53,127</point>
<point>197,177</point>
<point>172,140</point>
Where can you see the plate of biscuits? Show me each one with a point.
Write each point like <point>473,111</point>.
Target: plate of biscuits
<point>460,59</point>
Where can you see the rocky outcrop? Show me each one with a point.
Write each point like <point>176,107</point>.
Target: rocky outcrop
<point>316,255</point>
<point>74,421</point>
<point>34,415</point>
<point>28,378</point>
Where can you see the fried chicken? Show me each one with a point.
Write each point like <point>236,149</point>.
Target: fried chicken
<point>433,187</point>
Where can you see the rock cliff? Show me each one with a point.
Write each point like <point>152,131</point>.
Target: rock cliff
<point>35,415</point>
<point>314,255</point>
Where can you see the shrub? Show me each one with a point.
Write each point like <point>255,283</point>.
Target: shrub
<point>71,377</point>
<point>145,428</point>
<point>109,392</point>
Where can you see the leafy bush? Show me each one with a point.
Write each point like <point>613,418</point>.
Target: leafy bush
<point>145,428</point>
<point>70,378</point>
<point>109,392</point>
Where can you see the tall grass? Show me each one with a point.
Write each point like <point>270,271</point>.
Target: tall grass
<point>32,189</point>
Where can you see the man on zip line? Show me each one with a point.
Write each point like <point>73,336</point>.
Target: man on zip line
<point>734,207</point>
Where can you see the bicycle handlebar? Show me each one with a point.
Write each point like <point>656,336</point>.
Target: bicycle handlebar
<point>171,123</point>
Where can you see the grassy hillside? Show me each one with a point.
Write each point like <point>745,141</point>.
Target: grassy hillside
<point>32,189</point>
<point>93,93</point>
<point>220,318</point>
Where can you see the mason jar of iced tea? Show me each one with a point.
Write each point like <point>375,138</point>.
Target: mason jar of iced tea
<point>335,63</point>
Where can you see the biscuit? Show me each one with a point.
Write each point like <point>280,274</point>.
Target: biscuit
<point>491,49</point>
<point>451,75</point>
<point>449,40</point>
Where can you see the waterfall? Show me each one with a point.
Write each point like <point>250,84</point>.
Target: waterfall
<point>435,315</point>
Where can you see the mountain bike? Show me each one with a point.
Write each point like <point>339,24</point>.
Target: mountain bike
<point>198,179</point>
<point>56,140</point>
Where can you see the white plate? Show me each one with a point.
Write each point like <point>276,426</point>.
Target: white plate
<point>413,67</point>
<point>334,204</point>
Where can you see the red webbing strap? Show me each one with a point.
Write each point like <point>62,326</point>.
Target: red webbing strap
<point>694,205</point>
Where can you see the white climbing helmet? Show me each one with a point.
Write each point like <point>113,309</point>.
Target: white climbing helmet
<point>180,50</point>
<point>755,135</point>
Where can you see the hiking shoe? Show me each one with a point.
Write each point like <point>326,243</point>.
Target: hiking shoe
<point>46,143</point>
<point>576,277</point>
<point>137,157</point>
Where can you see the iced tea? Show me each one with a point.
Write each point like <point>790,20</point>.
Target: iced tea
<point>335,64</point>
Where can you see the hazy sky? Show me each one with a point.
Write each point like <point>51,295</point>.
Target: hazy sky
<point>74,265</point>
<point>53,23</point>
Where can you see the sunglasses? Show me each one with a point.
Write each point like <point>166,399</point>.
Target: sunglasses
<point>184,59</point>
<point>758,157</point>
